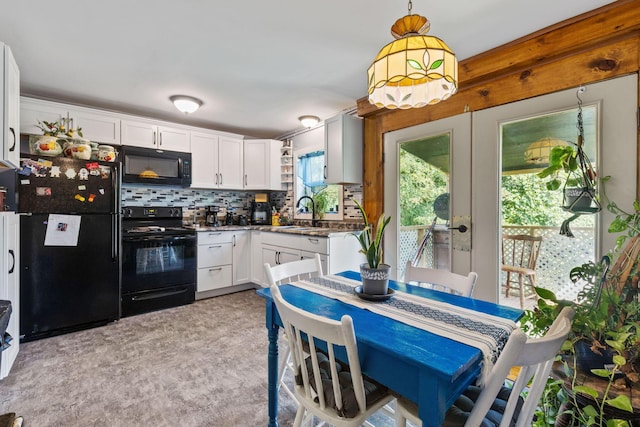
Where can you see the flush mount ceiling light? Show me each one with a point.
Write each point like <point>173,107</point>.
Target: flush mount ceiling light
<point>186,104</point>
<point>414,70</point>
<point>309,121</point>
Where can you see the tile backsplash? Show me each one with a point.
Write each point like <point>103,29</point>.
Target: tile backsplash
<point>239,202</point>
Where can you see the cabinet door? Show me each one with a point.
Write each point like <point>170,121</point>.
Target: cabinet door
<point>102,128</point>
<point>343,150</point>
<point>241,257</point>
<point>230,164</point>
<point>255,164</point>
<point>215,255</point>
<point>11,149</point>
<point>210,278</point>
<point>173,139</point>
<point>10,284</point>
<point>139,134</point>
<point>34,110</point>
<point>204,160</point>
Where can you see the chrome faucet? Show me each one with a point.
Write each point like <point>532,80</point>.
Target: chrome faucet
<point>314,221</point>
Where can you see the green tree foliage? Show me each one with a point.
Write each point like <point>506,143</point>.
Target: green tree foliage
<point>525,199</point>
<point>420,184</point>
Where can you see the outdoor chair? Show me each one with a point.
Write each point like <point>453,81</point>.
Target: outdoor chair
<point>519,258</point>
<point>494,403</point>
<point>441,280</point>
<point>287,273</point>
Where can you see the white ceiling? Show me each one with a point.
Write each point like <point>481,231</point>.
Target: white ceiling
<point>256,64</point>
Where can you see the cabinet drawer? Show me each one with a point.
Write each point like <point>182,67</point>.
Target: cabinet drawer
<point>214,278</point>
<point>208,237</point>
<point>214,254</point>
<point>303,243</point>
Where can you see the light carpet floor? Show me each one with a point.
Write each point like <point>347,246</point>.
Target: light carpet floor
<point>204,364</point>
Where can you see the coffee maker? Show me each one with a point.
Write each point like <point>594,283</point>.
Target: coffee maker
<point>260,213</point>
<point>211,218</point>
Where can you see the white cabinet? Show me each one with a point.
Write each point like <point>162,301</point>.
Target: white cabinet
<point>338,252</point>
<point>343,150</point>
<point>150,134</point>
<point>10,284</point>
<point>215,255</point>
<point>98,126</point>
<point>262,164</point>
<point>241,257</point>
<point>224,259</point>
<point>216,161</point>
<point>9,106</point>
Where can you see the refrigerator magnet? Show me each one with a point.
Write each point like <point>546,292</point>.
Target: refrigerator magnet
<point>43,191</point>
<point>82,187</point>
<point>91,197</point>
<point>101,190</point>
<point>79,198</point>
<point>55,172</point>
<point>92,166</point>
<point>83,174</point>
<point>70,173</point>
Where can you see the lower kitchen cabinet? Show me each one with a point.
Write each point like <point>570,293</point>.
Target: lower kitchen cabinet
<point>215,255</point>
<point>241,256</point>
<point>338,252</point>
<point>224,259</point>
<point>10,284</point>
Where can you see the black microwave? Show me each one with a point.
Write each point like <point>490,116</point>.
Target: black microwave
<point>160,167</point>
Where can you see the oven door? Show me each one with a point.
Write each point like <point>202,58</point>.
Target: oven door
<point>155,262</point>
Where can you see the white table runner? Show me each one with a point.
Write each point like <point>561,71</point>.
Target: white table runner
<point>483,331</point>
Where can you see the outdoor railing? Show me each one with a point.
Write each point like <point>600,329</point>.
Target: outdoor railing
<point>558,254</point>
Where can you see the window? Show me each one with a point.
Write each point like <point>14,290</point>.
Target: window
<point>309,181</point>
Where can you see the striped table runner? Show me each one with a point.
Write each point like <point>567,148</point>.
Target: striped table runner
<point>483,331</point>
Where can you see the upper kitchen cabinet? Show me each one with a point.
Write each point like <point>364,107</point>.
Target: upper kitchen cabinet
<point>343,150</point>
<point>262,164</point>
<point>10,109</point>
<point>97,125</point>
<point>216,161</point>
<point>150,134</point>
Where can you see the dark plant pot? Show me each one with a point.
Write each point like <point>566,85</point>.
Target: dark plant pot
<point>375,281</point>
<point>578,198</point>
<point>588,360</point>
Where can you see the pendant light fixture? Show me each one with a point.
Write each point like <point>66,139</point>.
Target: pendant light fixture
<point>185,104</point>
<point>414,70</point>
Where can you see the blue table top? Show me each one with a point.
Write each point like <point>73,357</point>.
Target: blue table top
<point>446,358</point>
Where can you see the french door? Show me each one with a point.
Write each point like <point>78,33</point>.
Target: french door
<point>475,173</point>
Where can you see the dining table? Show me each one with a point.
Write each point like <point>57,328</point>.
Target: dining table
<point>429,369</point>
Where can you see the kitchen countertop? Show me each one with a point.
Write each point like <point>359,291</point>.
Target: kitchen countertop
<point>298,230</point>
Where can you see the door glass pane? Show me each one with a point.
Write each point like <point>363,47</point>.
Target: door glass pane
<point>424,168</point>
<point>528,208</point>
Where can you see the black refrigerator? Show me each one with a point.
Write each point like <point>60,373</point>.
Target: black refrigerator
<point>69,245</point>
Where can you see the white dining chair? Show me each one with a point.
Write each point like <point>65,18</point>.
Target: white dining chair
<point>495,402</point>
<point>334,391</point>
<point>441,280</point>
<point>287,273</point>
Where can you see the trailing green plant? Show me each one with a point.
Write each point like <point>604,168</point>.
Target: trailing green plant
<point>568,167</point>
<point>371,237</point>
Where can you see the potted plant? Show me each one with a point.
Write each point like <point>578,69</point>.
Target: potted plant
<point>605,333</point>
<point>375,274</point>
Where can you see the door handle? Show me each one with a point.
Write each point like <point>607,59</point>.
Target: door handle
<point>13,257</point>
<point>13,133</point>
<point>154,138</point>
<point>460,239</point>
